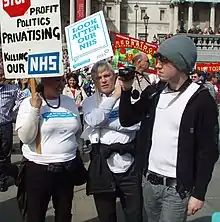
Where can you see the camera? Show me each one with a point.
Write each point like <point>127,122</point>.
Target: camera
<point>127,73</point>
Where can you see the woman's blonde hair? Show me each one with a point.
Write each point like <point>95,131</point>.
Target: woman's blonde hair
<point>100,67</point>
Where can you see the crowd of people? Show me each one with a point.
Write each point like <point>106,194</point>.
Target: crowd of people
<point>193,30</point>
<point>210,81</point>
<point>154,143</point>
<point>206,31</point>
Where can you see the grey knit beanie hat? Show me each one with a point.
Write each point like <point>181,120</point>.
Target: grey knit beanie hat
<point>180,51</point>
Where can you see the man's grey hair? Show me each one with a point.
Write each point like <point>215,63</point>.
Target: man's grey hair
<point>99,67</point>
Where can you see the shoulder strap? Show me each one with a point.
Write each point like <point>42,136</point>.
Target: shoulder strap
<point>38,141</point>
<point>156,90</point>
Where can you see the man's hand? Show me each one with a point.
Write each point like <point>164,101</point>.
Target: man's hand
<point>36,101</point>
<point>194,205</point>
<point>125,84</point>
<point>117,91</point>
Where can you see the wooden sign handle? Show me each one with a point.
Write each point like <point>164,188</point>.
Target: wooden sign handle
<point>33,86</point>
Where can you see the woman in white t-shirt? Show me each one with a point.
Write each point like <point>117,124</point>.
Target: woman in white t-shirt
<point>47,124</point>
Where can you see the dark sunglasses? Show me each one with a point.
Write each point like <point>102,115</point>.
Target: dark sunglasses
<point>194,77</point>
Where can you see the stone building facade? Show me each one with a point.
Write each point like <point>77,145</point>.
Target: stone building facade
<point>165,16</point>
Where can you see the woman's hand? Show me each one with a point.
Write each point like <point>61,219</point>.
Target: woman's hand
<point>36,101</point>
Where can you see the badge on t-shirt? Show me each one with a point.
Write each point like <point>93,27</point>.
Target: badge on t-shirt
<point>53,115</point>
<point>114,114</point>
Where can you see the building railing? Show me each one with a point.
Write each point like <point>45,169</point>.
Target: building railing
<point>208,47</point>
<point>206,42</point>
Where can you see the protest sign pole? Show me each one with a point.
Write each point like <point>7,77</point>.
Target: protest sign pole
<point>33,86</point>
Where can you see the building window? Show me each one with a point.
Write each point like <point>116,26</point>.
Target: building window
<point>143,12</point>
<point>124,14</point>
<point>94,9</point>
<point>162,14</point>
<point>109,12</point>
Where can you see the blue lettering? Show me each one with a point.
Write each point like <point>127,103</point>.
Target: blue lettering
<point>88,44</point>
<point>94,41</point>
<point>91,37</point>
<point>96,27</point>
<point>53,115</point>
<point>76,35</point>
<point>45,63</point>
<point>94,21</point>
<point>81,40</point>
<point>80,27</point>
<point>114,114</point>
<point>87,24</point>
<point>84,29</point>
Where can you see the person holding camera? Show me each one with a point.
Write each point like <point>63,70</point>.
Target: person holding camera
<point>112,171</point>
<point>178,139</point>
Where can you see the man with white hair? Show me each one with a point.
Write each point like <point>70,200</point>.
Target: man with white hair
<point>112,171</point>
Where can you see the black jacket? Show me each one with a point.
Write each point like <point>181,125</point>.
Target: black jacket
<point>100,178</point>
<point>198,135</point>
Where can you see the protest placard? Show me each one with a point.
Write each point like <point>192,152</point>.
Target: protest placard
<point>31,38</point>
<point>125,47</point>
<point>88,41</point>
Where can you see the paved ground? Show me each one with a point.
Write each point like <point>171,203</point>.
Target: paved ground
<point>84,209</point>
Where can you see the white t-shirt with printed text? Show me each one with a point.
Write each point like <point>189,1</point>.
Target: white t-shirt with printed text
<point>58,128</point>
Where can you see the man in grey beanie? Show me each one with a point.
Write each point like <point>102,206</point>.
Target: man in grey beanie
<point>177,145</point>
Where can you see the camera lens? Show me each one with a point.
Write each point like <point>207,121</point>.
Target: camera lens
<point>135,94</point>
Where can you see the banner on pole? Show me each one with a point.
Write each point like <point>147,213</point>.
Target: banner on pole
<point>31,38</point>
<point>88,41</point>
<point>125,48</point>
<point>80,9</point>
<point>208,66</point>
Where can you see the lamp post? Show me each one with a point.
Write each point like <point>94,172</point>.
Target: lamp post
<point>182,28</point>
<point>102,2</point>
<point>146,21</point>
<point>136,7</point>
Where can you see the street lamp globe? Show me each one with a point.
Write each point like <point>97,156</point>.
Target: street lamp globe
<point>146,19</point>
<point>136,6</point>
